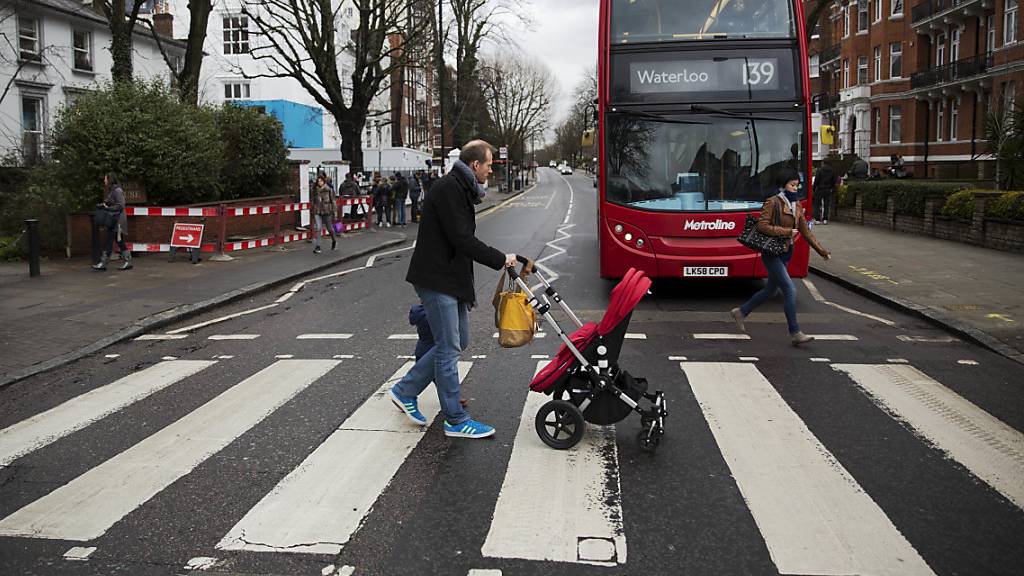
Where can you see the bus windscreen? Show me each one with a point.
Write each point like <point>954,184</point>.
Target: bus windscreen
<point>699,162</point>
<point>641,21</point>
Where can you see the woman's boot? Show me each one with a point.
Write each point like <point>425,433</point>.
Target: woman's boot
<point>101,266</point>
<point>127,257</point>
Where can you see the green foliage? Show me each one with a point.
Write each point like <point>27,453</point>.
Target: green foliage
<point>11,248</point>
<point>1004,132</point>
<point>844,197</point>
<point>959,205</point>
<point>37,196</point>
<point>255,157</point>
<point>1008,206</point>
<point>909,196</point>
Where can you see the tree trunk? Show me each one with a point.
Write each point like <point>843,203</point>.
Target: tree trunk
<point>188,78</point>
<point>121,50</point>
<point>351,143</point>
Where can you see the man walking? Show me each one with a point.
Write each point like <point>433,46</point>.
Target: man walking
<point>415,187</point>
<point>401,192</point>
<point>441,272</point>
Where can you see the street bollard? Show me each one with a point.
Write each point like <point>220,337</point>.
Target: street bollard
<point>32,227</point>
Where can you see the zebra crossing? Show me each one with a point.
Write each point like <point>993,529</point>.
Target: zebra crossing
<point>813,514</point>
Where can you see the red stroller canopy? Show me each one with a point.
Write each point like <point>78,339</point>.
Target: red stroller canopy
<point>624,298</point>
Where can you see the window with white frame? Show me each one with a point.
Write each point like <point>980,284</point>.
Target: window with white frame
<point>895,124</point>
<point>940,49</point>
<point>862,15</point>
<point>896,60</point>
<point>81,41</point>
<point>862,70</point>
<point>990,33</point>
<point>954,45</point>
<point>846,21</point>
<point>878,10</point>
<point>878,63</point>
<point>1010,22</point>
<point>236,34</point>
<point>236,91</point>
<point>813,66</point>
<point>877,136</point>
<point>954,117</point>
<point>897,8</point>
<point>846,73</point>
<point>940,113</point>
<point>29,40</point>
<point>32,125</point>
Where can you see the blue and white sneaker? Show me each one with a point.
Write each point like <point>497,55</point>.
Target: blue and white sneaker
<point>408,406</point>
<point>468,429</point>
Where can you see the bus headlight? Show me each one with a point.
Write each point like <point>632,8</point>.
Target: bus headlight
<point>618,228</point>
<point>628,236</point>
<point>639,242</point>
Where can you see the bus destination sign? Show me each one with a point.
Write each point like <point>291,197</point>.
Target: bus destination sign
<point>708,75</point>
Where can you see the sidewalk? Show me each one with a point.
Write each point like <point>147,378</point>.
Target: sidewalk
<point>974,292</point>
<point>71,311</point>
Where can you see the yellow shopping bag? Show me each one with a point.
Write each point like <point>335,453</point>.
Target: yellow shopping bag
<point>515,319</point>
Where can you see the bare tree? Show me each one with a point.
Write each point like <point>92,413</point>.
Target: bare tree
<point>518,93</point>
<point>299,39</point>
<point>186,79</point>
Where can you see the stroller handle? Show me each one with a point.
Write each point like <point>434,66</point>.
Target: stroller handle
<point>528,268</point>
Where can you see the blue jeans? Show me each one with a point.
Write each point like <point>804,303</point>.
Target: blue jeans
<point>778,278</point>
<point>400,211</point>
<point>449,322</point>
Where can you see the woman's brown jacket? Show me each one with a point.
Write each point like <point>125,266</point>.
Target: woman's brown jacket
<point>787,221</point>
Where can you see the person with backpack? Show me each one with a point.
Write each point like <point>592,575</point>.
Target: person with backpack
<point>114,203</point>
<point>401,193</point>
<point>415,189</point>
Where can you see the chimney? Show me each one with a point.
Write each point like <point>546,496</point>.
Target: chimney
<point>163,23</point>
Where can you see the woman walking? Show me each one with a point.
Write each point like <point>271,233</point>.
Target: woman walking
<point>326,212</point>
<point>782,215</point>
<point>114,202</point>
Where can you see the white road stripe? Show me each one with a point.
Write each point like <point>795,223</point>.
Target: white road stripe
<point>819,298</point>
<point>79,553</point>
<point>677,358</point>
<point>721,337</point>
<point>404,337</point>
<point>926,339</point>
<point>217,320</point>
<point>631,336</point>
<point>112,356</point>
<point>224,357</point>
<point>814,516</point>
<point>573,494</point>
<point>967,362</point>
<point>317,507</point>
<point>168,358</point>
<point>323,336</point>
<point>86,507</point>
<point>820,360</point>
<point>746,358</point>
<point>839,337</point>
<point>284,356</point>
<point>991,450</point>
<point>234,337</point>
<point>77,413</point>
<point>897,361</point>
<point>162,337</point>
<point>344,356</point>
<point>539,357</point>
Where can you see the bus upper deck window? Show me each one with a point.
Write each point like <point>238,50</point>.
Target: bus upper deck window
<point>640,21</point>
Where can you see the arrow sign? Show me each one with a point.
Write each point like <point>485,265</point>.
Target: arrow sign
<point>187,235</point>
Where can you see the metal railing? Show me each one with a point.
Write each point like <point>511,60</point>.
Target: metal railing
<point>929,8</point>
<point>959,70</point>
<point>825,101</point>
<point>829,54</point>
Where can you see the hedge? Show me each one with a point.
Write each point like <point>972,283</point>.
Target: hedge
<point>959,205</point>
<point>1008,206</point>
<point>908,195</point>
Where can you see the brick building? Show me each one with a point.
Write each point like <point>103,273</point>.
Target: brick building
<point>916,80</point>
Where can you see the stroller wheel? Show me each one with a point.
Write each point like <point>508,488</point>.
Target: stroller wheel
<point>648,442</point>
<point>560,424</point>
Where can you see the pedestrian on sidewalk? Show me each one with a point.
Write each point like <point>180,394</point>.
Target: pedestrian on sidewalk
<point>415,189</point>
<point>424,337</point>
<point>114,202</point>
<point>326,207</point>
<point>824,187</point>
<point>350,189</point>
<point>441,272</point>
<point>380,200</point>
<point>781,215</point>
<point>401,193</point>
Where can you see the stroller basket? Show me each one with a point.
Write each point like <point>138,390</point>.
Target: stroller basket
<point>584,379</point>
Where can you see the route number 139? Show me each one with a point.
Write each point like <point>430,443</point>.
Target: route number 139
<point>757,73</point>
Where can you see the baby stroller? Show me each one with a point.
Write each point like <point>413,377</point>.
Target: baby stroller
<point>584,379</point>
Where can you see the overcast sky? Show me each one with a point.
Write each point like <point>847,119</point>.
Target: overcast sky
<point>562,34</point>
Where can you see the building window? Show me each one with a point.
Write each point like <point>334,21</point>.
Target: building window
<point>954,45</point>
<point>897,7</point>
<point>82,42</point>
<point>236,91</point>
<point>862,15</point>
<point>878,63</point>
<point>846,21</point>
<point>1010,22</point>
<point>877,136</point>
<point>236,35</point>
<point>896,60</point>
<point>32,127</point>
<point>990,33</point>
<point>940,113</point>
<point>940,49</point>
<point>954,118</point>
<point>862,70</point>
<point>878,10</point>
<point>895,124</point>
<point>813,66</point>
<point>846,73</point>
<point>29,42</point>
<point>1009,95</point>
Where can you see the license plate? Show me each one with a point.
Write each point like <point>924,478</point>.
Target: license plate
<point>705,271</point>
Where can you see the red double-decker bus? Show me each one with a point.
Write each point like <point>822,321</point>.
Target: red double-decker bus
<point>701,104</point>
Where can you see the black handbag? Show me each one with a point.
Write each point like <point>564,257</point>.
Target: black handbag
<point>106,217</point>
<point>758,241</point>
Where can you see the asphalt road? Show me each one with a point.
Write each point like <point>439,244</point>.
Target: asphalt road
<point>893,449</point>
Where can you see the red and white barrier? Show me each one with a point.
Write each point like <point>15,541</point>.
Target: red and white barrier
<point>248,244</point>
<point>153,211</point>
<point>146,247</point>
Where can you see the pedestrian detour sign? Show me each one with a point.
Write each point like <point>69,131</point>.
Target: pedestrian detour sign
<point>187,235</point>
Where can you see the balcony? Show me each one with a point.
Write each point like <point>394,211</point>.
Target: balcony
<point>829,55</point>
<point>825,101</point>
<point>958,71</point>
<point>936,14</point>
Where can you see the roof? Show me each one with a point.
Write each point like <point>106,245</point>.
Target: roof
<point>78,9</point>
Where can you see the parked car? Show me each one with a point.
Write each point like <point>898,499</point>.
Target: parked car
<point>565,169</point>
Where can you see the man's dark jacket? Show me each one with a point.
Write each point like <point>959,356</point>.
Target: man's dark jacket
<point>446,244</point>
